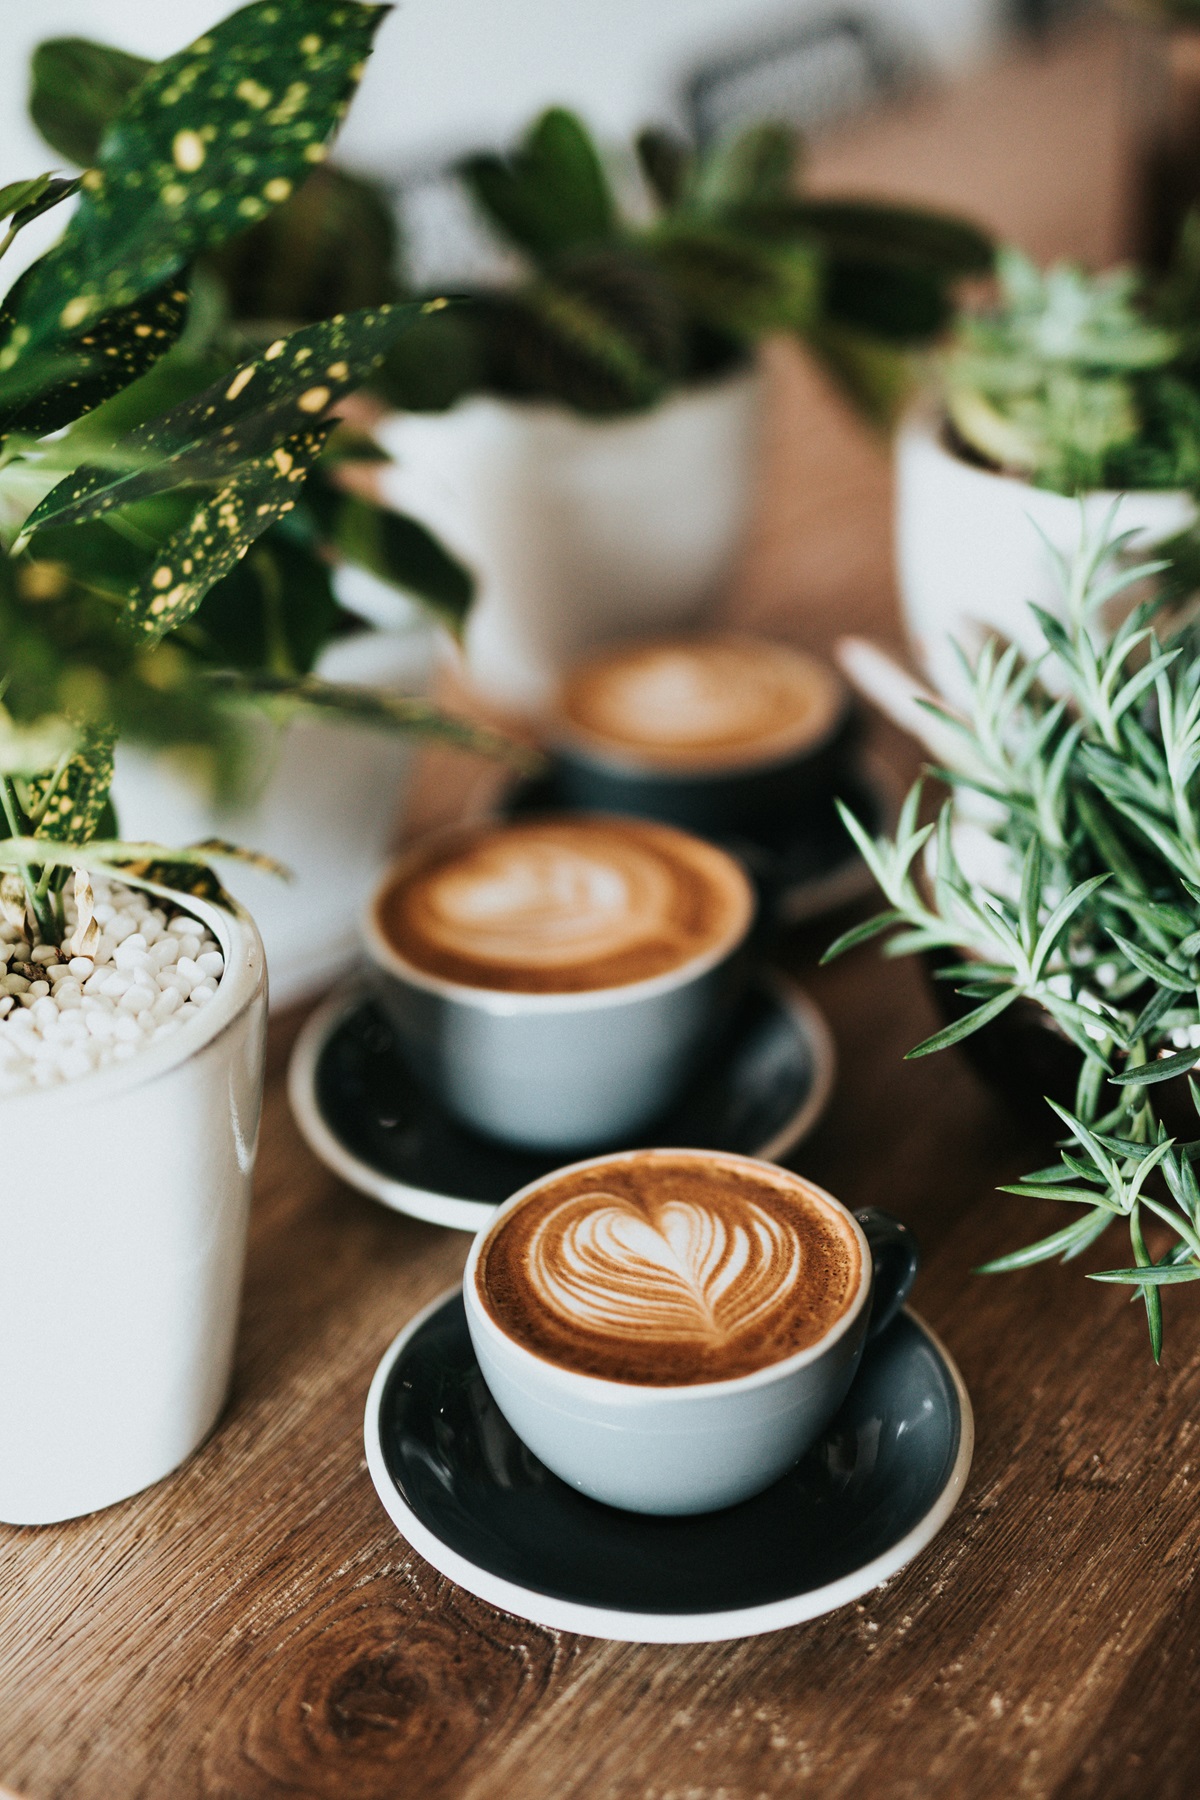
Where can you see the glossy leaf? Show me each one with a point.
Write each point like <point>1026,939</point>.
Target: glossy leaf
<point>70,808</point>
<point>551,195</point>
<point>219,533</point>
<point>77,87</point>
<point>244,415</point>
<point>204,146</point>
<point>88,369</point>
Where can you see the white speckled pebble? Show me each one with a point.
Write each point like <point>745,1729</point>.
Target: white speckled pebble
<point>150,974</point>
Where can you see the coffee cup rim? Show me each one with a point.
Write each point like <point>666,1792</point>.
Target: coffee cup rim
<point>570,741</point>
<point>385,956</point>
<point>660,1393</point>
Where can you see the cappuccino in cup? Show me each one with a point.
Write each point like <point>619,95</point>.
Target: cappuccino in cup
<point>670,1330</point>
<point>719,732</point>
<point>670,1268</point>
<point>554,979</point>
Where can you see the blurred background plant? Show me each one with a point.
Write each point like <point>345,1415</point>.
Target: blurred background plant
<point>163,571</point>
<point>1066,872</point>
<point>620,305</point>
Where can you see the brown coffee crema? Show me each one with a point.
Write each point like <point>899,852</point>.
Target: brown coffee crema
<point>669,1268</point>
<point>699,704</point>
<point>564,904</point>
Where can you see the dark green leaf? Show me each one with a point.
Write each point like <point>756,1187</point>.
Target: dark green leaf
<point>961,1028</point>
<point>1162,1069</point>
<point>900,304</point>
<point>244,415</point>
<point>1153,966</point>
<point>551,195</point>
<point>1068,1242</point>
<point>875,232</point>
<point>1156,1275</point>
<point>755,166</point>
<point>401,551</point>
<point>204,146</point>
<point>861,934</point>
<point>71,810</point>
<point>99,362</point>
<point>665,162</point>
<point>77,88</point>
<point>219,533</point>
<point>735,284</point>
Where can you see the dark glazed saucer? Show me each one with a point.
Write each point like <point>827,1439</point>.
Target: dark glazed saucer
<point>764,1087</point>
<point>467,1494</point>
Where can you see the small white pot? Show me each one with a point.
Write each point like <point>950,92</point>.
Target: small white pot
<point>327,805</point>
<point>971,547</point>
<point>123,1210</point>
<point>579,530</point>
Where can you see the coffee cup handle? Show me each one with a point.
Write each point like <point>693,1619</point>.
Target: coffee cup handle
<point>896,1258</point>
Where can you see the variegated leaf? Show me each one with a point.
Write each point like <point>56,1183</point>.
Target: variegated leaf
<point>77,799</point>
<point>242,416</point>
<point>52,390</point>
<point>210,141</point>
<point>219,533</point>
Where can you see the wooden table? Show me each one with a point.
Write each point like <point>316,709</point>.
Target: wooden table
<point>254,1626</point>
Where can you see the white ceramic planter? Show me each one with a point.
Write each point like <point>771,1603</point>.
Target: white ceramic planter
<point>579,530</point>
<point>971,547</point>
<point>123,1213</point>
<point>327,805</point>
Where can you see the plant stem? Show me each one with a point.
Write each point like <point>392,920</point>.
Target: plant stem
<point>42,916</point>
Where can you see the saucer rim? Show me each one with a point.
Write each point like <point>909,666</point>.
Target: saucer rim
<point>619,1625</point>
<point>458,1214</point>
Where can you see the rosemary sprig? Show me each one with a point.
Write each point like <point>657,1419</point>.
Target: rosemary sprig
<point>1065,870</point>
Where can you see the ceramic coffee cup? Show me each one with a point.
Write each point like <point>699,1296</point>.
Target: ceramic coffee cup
<point>661,1447</point>
<point>721,734</point>
<point>531,1032</point>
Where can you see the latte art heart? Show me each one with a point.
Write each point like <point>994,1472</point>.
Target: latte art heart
<point>669,1267</point>
<point>686,1272</point>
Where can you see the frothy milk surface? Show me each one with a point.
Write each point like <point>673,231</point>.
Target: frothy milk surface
<point>700,703</point>
<point>564,904</point>
<point>669,1268</point>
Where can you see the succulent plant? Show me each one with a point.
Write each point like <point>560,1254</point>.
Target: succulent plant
<point>1079,381</point>
<point>162,571</point>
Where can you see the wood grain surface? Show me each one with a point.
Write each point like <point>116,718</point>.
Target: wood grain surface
<point>254,1626</point>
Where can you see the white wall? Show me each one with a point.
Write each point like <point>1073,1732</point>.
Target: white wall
<point>451,73</point>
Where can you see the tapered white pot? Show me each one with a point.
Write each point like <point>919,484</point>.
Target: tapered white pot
<point>326,804</point>
<point>973,547</point>
<point>579,530</point>
<point>123,1207</point>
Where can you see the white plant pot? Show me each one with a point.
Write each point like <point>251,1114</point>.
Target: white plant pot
<point>971,547</point>
<point>326,805</point>
<point>123,1214</point>
<point>579,530</point>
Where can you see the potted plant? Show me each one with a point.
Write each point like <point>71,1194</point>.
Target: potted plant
<point>131,1028</point>
<point>1064,876</point>
<point>584,436</point>
<point>319,794</point>
<point>1068,389</point>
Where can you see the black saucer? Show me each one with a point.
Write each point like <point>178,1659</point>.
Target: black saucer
<point>803,868</point>
<point>361,1112</point>
<point>468,1495</point>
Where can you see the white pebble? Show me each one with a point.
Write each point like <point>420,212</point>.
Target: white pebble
<point>83,1014</point>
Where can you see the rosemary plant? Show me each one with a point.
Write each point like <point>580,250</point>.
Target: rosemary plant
<point>1078,774</point>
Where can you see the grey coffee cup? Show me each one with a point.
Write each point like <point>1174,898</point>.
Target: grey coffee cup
<point>557,1071</point>
<point>690,1448</point>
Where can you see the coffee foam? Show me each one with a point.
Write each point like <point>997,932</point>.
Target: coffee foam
<point>669,1268</point>
<point>564,904</point>
<point>700,703</point>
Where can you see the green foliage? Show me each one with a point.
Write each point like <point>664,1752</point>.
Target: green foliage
<point>1080,381</point>
<point>1088,761</point>
<point>616,309</point>
<point>163,575</point>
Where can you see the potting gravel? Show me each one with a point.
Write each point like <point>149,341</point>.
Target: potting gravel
<point>62,1016</point>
